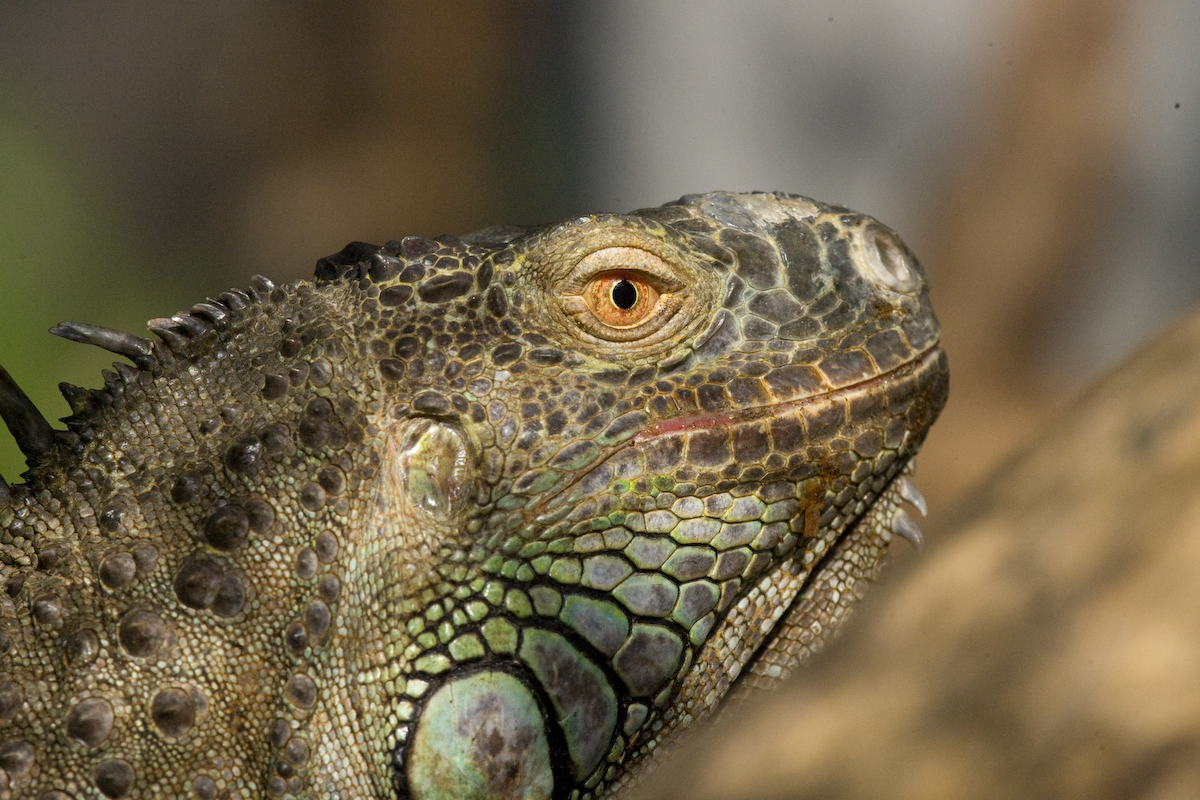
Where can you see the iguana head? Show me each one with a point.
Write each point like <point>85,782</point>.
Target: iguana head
<point>484,516</point>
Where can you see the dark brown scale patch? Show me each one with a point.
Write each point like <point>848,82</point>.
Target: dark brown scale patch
<point>82,647</point>
<point>197,582</point>
<point>390,369</point>
<point>89,721</point>
<point>794,380</point>
<point>281,731</point>
<point>275,386</point>
<point>187,487</point>
<point>411,274</point>
<point>173,712</point>
<point>296,638</point>
<point>301,691</point>
<point>50,554</point>
<point>145,555</point>
<point>245,454</point>
<point>713,396</point>
<point>12,697</point>
<point>260,515</point>
<point>230,597</point>
<point>289,348</point>
<point>382,269</point>
<point>14,585</point>
<point>748,392</point>
<point>317,618</point>
<point>787,435</point>
<point>329,588</point>
<point>435,360</point>
<point>114,778</point>
<point>709,448</point>
<point>275,437</point>
<point>16,758</point>
<point>546,356</point>
<point>332,480</point>
<point>416,246</point>
<point>758,263</point>
<point>306,564</point>
<point>442,288</point>
<point>117,570</point>
<point>314,432</point>
<point>327,547</point>
<point>751,446</point>
<point>110,518</point>
<point>297,751</point>
<point>312,497</point>
<point>431,403</point>
<point>226,528</point>
<point>205,788</point>
<point>47,611</point>
<point>506,353</point>
<point>142,633</point>
<point>496,302</point>
<point>405,347</point>
<point>483,276</point>
<point>395,295</point>
<point>320,373</point>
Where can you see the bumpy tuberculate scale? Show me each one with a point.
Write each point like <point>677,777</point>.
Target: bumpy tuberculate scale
<point>491,516</point>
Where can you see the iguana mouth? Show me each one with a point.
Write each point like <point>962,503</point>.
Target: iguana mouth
<point>700,422</point>
<point>695,423</point>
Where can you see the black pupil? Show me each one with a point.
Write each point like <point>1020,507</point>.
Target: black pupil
<point>624,295</point>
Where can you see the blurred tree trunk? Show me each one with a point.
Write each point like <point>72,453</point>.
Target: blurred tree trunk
<point>1015,229</point>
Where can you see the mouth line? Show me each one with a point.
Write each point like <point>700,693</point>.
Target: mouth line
<point>701,422</point>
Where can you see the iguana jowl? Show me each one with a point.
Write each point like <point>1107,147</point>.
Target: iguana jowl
<point>468,517</point>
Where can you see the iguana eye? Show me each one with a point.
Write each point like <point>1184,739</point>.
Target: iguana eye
<point>624,298</point>
<point>621,299</point>
<point>623,294</point>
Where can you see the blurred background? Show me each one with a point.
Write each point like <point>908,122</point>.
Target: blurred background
<point>1041,156</point>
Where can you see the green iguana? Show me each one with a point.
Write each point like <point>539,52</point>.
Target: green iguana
<point>490,516</point>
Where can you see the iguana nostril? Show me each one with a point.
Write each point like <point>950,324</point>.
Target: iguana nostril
<point>885,260</point>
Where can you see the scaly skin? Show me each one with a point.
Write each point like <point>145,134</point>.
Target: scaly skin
<point>490,516</point>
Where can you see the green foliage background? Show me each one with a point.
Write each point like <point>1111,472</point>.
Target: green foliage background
<point>63,244</point>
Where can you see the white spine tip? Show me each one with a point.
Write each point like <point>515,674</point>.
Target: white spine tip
<point>904,527</point>
<point>910,492</point>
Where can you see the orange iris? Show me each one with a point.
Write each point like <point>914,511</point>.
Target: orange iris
<point>621,299</point>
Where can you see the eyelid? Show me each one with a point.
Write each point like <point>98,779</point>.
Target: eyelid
<point>621,258</point>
